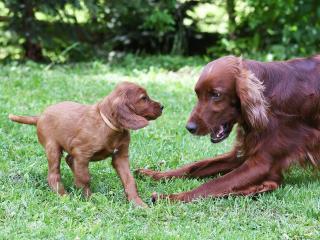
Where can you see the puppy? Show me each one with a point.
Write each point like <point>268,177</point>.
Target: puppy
<point>92,133</point>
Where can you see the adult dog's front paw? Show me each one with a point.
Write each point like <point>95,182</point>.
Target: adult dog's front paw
<point>155,197</point>
<point>170,197</point>
<point>148,172</point>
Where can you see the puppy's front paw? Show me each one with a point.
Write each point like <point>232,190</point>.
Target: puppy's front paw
<point>139,203</point>
<point>86,192</point>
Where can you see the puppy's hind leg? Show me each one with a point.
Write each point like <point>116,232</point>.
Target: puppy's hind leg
<point>69,160</point>
<point>54,152</point>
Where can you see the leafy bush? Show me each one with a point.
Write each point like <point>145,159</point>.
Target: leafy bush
<point>281,29</point>
<point>62,30</point>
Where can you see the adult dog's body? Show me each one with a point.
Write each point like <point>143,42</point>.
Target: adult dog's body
<point>277,108</point>
<point>93,132</point>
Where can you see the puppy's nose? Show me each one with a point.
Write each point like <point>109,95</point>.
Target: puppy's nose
<point>192,127</point>
<point>161,107</point>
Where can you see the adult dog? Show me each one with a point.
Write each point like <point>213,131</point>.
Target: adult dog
<point>94,132</point>
<point>276,106</point>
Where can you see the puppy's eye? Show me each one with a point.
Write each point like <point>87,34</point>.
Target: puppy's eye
<point>144,98</point>
<point>215,95</point>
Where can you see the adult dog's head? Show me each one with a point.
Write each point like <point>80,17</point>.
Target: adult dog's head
<point>227,93</point>
<point>130,107</point>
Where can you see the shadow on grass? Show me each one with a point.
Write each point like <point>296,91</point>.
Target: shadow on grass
<point>166,62</point>
<point>298,176</point>
<point>123,63</point>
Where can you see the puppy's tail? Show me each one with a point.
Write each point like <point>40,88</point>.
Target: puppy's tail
<point>31,120</point>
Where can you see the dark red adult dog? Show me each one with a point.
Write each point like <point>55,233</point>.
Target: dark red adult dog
<point>276,106</point>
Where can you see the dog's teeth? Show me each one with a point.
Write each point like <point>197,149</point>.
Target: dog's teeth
<point>220,131</point>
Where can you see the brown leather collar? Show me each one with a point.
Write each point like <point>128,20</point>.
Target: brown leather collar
<point>109,124</point>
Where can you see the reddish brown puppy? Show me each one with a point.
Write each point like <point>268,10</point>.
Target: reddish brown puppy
<point>92,133</point>
<point>276,106</point>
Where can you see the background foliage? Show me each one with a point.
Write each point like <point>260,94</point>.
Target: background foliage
<point>62,30</point>
<point>111,33</point>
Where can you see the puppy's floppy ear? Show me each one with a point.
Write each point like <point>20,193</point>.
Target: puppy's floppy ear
<point>253,103</point>
<point>125,114</point>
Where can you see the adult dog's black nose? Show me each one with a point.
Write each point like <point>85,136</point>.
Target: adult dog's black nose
<point>192,127</point>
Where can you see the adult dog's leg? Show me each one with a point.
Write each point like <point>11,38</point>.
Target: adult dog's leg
<point>265,186</point>
<point>208,167</point>
<point>252,172</point>
<point>53,152</point>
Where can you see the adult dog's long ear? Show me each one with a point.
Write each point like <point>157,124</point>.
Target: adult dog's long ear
<point>126,116</point>
<point>253,103</point>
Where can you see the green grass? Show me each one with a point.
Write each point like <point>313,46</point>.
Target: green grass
<point>29,210</point>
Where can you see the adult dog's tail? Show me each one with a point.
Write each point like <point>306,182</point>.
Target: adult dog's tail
<point>32,120</point>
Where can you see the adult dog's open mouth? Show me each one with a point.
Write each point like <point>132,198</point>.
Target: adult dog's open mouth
<point>220,133</point>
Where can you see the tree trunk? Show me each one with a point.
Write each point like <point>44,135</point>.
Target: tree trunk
<point>232,18</point>
<point>32,50</point>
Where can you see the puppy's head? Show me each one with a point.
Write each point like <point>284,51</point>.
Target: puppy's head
<point>131,107</point>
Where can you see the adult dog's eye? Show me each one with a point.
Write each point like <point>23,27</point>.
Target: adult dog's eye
<point>215,95</point>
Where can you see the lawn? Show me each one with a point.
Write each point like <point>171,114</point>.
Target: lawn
<point>29,210</point>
